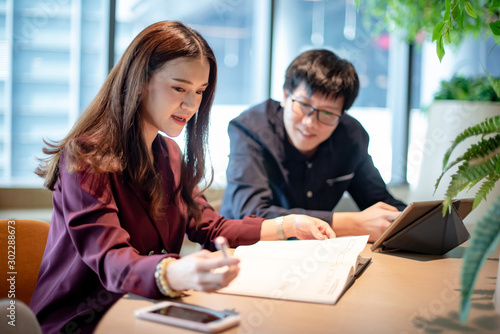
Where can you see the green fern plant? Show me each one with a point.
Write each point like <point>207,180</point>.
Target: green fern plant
<point>481,162</point>
<point>448,22</point>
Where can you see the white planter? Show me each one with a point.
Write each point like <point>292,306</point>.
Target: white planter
<point>446,120</point>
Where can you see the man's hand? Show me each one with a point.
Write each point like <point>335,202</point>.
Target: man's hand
<point>372,221</point>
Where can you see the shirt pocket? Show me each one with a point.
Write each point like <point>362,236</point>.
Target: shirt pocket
<point>339,179</point>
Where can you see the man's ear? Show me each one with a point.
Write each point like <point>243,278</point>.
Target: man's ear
<point>285,96</point>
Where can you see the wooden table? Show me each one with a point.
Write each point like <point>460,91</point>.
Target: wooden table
<point>398,293</point>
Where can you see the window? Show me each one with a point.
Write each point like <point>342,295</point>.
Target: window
<point>337,26</point>
<point>238,32</point>
<point>52,63</point>
<point>54,58</point>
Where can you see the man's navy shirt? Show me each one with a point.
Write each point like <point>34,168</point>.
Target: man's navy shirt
<point>267,176</point>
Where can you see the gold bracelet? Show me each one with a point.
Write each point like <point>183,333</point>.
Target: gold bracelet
<point>279,228</point>
<point>161,278</point>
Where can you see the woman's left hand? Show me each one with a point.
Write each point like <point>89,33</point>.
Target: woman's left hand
<point>299,226</point>
<point>306,227</point>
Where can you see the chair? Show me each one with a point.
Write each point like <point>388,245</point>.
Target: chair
<point>22,244</point>
<point>15,312</point>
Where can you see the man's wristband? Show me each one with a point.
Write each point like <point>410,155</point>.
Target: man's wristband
<point>279,228</point>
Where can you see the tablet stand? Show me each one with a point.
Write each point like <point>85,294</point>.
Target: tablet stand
<point>432,233</point>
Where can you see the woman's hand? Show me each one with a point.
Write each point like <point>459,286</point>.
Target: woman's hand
<point>197,272</point>
<point>299,226</point>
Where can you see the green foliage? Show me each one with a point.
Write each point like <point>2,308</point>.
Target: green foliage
<point>485,189</point>
<point>480,163</point>
<point>485,237</point>
<point>468,89</point>
<point>466,16</point>
<point>411,15</point>
<point>414,17</point>
<point>488,126</point>
<point>448,22</point>
<point>495,83</point>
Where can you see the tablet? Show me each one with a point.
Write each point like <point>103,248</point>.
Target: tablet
<point>414,211</point>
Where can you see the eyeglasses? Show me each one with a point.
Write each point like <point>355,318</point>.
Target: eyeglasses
<point>323,116</point>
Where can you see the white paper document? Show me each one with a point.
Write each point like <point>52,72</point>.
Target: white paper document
<point>316,271</point>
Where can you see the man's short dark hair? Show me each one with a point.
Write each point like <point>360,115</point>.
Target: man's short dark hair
<point>324,72</point>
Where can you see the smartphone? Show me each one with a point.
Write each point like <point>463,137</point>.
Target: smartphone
<point>189,316</point>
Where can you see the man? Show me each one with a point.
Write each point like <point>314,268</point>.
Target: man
<point>301,155</point>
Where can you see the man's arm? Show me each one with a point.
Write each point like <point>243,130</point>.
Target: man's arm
<point>369,191</point>
<point>368,187</point>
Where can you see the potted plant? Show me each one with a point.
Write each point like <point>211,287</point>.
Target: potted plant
<point>462,88</point>
<point>459,103</point>
<point>481,161</point>
<point>447,22</point>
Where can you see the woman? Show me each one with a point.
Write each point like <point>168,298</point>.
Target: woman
<point>124,196</point>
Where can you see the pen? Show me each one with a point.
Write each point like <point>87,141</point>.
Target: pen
<point>221,244</point>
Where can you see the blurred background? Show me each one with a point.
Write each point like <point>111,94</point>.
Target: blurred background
<point>55,55</point>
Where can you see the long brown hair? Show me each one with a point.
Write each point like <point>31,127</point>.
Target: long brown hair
<point>107,137</point>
